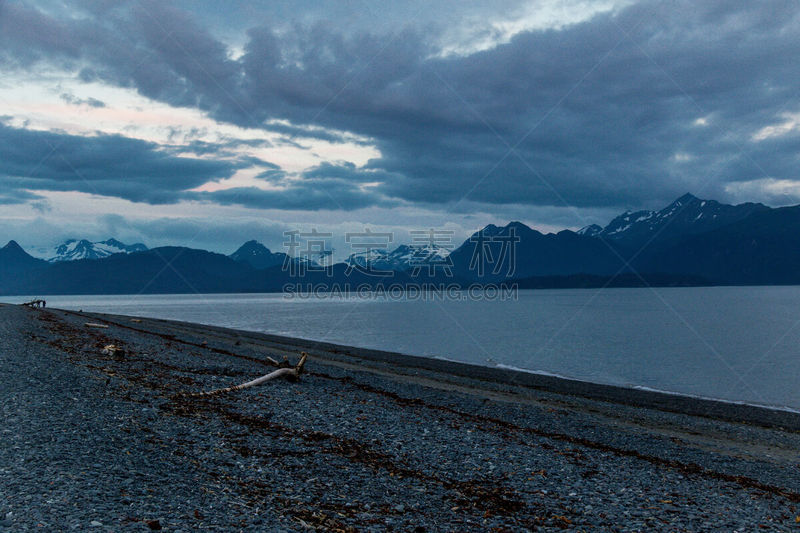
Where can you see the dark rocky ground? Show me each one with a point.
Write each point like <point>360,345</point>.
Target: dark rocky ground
<point>111,442</point>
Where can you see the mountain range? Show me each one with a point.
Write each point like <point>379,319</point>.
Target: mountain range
<point>73,249</point>
<point>404,257</point>
<point>689,242</point>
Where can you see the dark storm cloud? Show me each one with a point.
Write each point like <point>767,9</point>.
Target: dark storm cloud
<point>28,35</point>
<point>601,113</point>
<point>109,165</point>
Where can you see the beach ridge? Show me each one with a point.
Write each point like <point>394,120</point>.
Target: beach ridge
<point>365,440</point>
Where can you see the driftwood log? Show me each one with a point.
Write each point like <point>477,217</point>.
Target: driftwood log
<point>290,373</point>
<point>113,349</point>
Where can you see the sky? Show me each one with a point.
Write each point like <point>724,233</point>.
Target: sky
<point>207,124</point>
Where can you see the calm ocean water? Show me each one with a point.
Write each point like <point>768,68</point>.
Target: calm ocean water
<point>732,343</point>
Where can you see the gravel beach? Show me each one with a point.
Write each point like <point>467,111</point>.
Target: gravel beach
<point>114,442</point>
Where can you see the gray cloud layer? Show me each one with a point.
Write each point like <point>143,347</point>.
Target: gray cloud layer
<point>112,165</point>
<point>600,114</point>
<point>109,165</point>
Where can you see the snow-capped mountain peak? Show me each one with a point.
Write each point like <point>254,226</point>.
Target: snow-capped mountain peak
<point>590,231</point>
<point>402,258</point>
<point>686,215</point>
<point>74,249</point>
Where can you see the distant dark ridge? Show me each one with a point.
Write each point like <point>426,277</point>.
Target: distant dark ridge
<point>590,281</point>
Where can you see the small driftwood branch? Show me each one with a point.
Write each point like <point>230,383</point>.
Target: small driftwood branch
<point>95,325</point>
<point>290,373</point>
